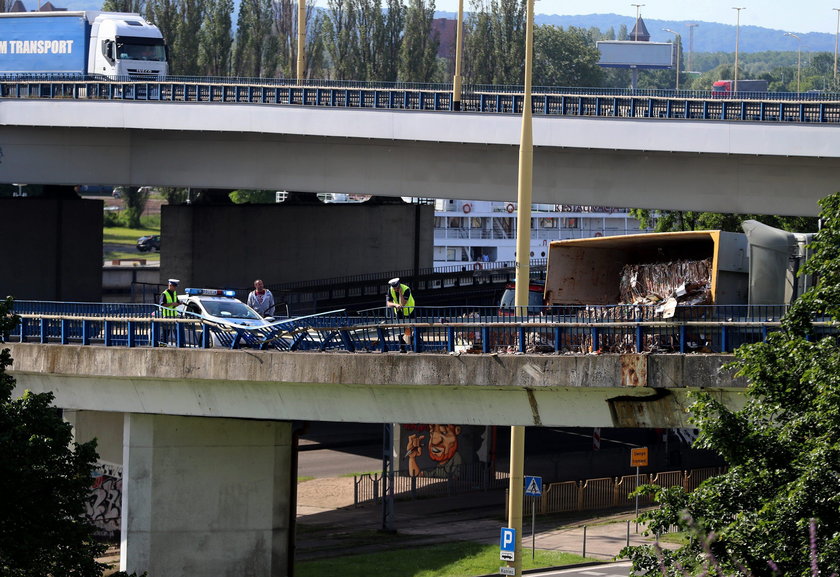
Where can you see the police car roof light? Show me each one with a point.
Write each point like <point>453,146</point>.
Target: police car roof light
<point>210,292</point>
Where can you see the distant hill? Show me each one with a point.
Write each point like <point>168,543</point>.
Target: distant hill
<point>708,36</point>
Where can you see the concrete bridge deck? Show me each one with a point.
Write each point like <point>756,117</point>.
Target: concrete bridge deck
<point>530,390</point>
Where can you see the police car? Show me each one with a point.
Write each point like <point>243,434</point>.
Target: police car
<point>219,309</point>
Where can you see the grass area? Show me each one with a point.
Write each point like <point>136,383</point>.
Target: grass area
<point>371,473</point>
<point>126,239</point>
<point>304,479</point>
<point>454,559</point>
<point>122,235</point>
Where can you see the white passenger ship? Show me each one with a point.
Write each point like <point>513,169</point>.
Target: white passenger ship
<point>472,233</point>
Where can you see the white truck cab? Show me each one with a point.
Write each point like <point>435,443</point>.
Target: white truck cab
<point>124,44</point>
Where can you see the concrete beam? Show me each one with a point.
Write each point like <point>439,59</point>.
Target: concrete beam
<point>721,166</point>
<point>540,390</point>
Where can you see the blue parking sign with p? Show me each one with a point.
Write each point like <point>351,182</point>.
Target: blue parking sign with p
<point>507,541</point>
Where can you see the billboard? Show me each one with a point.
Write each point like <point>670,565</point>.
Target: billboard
<point>43,44</point>
<point>630,54</point>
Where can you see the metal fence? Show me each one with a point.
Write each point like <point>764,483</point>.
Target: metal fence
<point>547,101</point>
<point>618,329</point>
<point>612,492</point>
<point>368,488</point>
<point>562,497</point>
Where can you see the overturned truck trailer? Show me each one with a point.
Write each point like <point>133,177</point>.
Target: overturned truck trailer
<point>694,267</point>
<point>649,269</point>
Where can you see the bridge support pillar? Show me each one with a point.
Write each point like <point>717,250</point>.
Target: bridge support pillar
<point>204,497</point>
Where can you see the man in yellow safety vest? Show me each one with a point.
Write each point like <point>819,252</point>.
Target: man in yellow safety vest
<point>400,298</point>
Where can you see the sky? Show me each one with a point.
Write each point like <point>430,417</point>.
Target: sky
<point>810,16</point>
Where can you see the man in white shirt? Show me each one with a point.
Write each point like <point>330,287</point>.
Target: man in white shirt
<point>261,300</point>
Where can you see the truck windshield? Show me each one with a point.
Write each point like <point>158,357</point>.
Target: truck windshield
<point>132,51</point>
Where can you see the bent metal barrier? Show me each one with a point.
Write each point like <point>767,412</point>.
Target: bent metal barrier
<point>547,101</point>
<point>454,330</point>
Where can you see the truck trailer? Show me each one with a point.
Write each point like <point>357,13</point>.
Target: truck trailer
<point>81,43</point>
<point>727,87</point>
<point>707,267</point>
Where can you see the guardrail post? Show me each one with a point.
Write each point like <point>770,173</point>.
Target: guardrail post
<point>595,337</point>
<point>682,339</point>
<point>485,339</point>
<point>44,331</point>
<point>557,336</point>
<point>640,336</point>
<point>521,336</point>
<point>130,334</point>
<point>86,325</point>
<point>65,338</point>
<point>450,339</point>
<point>724,344</point>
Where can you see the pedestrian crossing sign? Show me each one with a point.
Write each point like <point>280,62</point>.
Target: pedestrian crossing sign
<point>533,486</point>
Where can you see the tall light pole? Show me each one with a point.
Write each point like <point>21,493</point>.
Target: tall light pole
<point>516,489</point>
<point>691,28</point>
<point>301,39</point>
<point>836,36</point>
<point>737,42</point>
<point>677,42</point>
<point>636,28</point>
<point>798,58</point>
<point>459,43</point>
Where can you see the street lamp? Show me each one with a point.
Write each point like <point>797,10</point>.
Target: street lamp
<point>677,42</point>
<point>798,57</point>
<point>737,41</point>
<point>301,39</point>
<point>636,28</point>
<point>691,28</point>
<point>836,36</point>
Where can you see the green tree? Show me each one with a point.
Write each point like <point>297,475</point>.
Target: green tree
<point>340,39</point>
<point>175,195</point>
<point>479,62</point>
<point>508,40</point>
<point>253,197</point>
<point>565,58</point>
<point>190,20</point>
<point>418,54</point>
<point>135,199</point>
<point>782,449</point>
<point>44,481</point>
<point>393,32</point>
<point>165,15</point>
<point>674,221</point>
<point>216,43</point>
<point>133,6</point>
<point>252,54</point>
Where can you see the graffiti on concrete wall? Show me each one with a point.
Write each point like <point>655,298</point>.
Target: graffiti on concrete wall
<point>104,505</point>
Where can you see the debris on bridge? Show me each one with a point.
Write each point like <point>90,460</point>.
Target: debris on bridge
<point>668,284</point>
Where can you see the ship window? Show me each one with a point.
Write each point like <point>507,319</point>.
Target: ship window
<point>454,222</point>
<point>570,223</point>
<point>475,222</point>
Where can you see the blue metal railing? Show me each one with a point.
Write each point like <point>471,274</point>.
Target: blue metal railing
<point>614,329</point>
<point>546,101</point>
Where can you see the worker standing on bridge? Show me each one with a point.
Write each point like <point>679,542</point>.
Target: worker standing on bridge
<point>168,302</point>
<point>400,298</point>
<point>261,300</point>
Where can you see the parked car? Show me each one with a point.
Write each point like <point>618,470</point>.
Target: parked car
<point>147,243</point>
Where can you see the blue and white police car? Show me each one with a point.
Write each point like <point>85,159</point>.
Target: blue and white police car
<point>221,311</point>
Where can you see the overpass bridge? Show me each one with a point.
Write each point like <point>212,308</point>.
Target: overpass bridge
<point>206,442</point>
<point>176,415</point>
<point>683,151</point>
